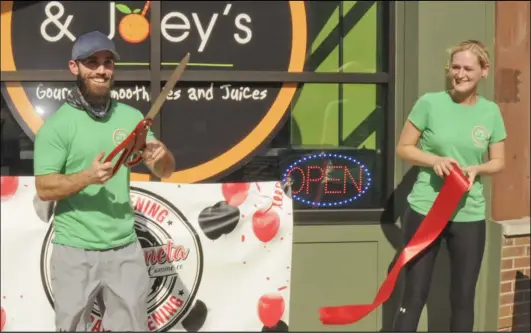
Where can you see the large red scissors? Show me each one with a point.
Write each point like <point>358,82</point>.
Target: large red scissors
<point>135,143</point>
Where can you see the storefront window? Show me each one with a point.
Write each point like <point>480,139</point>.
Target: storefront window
<point>334,137</point>
<point>347,36</point>
<point>338,115</point>
<point>207,121</point>
<point>366,38</point>
<point>299,91</point>
<point>344,36</point>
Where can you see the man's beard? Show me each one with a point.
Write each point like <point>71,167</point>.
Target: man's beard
<point>96,96</point>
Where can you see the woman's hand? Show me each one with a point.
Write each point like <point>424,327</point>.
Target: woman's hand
<point>443,165</point>
<point>471,172</point>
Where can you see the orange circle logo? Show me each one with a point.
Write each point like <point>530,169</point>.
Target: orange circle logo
<point>133,27</point>
<point>130,28</point>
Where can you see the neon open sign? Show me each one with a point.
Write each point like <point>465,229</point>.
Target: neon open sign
<point>327,179</point>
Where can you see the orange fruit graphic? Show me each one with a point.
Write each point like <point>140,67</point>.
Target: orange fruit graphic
<point>134,28</point>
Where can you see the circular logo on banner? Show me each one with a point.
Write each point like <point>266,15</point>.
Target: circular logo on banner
<point>242,36</point>
<point>173,256</point>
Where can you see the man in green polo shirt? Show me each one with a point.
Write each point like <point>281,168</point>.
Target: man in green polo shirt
<point>95,249</point>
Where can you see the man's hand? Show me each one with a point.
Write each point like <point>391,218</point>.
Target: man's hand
<point>99,173</point>
<point>55,186</point>
<point>158,159</point>
<point>154,151</point>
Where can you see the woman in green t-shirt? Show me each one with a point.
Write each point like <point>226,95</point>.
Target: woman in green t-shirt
<point>456,126</point>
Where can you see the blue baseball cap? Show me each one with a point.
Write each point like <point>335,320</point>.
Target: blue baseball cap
<point>92,42</point>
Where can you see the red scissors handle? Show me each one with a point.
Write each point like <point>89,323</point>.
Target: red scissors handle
<point>135,143</point>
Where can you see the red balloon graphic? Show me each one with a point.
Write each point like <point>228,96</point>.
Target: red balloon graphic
<point>266,225</point>
<point>235,193</point>
<point>270,309</point>
<point>3,320</point>
<point>8,186</point>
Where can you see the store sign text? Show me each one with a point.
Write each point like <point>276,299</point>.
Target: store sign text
<point>176,27</point>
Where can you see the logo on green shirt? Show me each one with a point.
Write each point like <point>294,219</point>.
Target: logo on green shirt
<point>480,135</point>
<point>119,136</point>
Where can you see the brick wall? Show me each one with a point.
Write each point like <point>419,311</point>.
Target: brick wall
<point>510,188</point>
<point>515,300</point>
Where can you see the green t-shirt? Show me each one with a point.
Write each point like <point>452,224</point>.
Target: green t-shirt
<point>463,132</point>
<point>98,217</point>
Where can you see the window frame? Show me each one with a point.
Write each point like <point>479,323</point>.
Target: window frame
<point>155,75</point>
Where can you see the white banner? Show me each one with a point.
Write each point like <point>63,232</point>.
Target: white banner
<point>227,272</point>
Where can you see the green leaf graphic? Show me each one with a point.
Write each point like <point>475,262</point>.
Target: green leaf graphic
<point>136,11</point>
<point>123,8</point>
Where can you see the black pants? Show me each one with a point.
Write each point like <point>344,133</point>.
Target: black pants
<point>466,242</point>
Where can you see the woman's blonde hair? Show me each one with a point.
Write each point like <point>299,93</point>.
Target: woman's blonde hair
<point>474,46</point>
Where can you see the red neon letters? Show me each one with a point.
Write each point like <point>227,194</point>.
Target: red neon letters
<point>316,174</point>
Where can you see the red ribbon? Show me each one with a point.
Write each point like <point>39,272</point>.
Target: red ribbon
<point>453,189</point>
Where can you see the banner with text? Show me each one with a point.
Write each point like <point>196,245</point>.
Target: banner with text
<point>218,256</point>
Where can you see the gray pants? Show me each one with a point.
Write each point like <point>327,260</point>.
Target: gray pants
<point>117,278</point>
